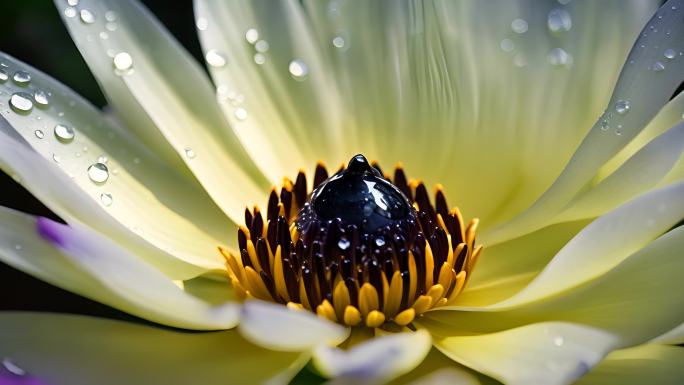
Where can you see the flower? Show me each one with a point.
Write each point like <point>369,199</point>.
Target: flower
<point>494,100</point>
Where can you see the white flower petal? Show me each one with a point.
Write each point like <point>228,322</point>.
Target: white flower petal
<point>81,261</point>
<point>638,96</point>
<point>141,192</point>
<point>645,364</point>
<point>447,376</point>
<point>278,327</point>
<point>166,90</point>
<point>77,350</point>
<point>377,360</point>
<point>552,353</point>
<point>634,300</point>
<point>639,173</point>
<point>605,243</point>
<point>673,337</point>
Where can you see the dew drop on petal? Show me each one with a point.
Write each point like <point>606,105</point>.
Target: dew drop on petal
<point>343,244</point>
<point>72,3</point>
<point>123,61</point>
<point>64,133</point>
<point>380,241</point>
<point>261,46</point>
<point>559,341</point>
<point>102,159</point>
<point>215,58</point>
<point>21,102</point>
<point>604,125</point>
<point>22,78</point>
<point>190,153</point>
<point>98,172</point>
<point>240,113</point>
<point>106,199</point>
<point>41,98</point>
<point>559,57</point>
<point>39,134</point>
<point>110,15</point>
<point>87,16</point>
<point>559,20</point>
<point>298,69</point>
<point>519,26</point>
<point>259,58</point>
<point>338,42</point>
<point>56,158</point>
<point>3,76</point>
<point>622,106</point>
<point>252,35</point>
<point>670,53</point>
<point>70,12</point>
<point>202,23</point>
<point>506,45</point>
<point>657,66</point>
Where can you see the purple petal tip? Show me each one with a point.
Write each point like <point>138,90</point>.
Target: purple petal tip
<point>50,231</point>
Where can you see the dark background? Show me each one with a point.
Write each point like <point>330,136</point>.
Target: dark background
<point>32,31</point>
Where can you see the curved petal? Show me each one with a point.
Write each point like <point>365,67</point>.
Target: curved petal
<point>72,135</point>
<point>606,242</point>
<point>552,353</point>
<point>639,173</point>
<point>646,83</point>
<point>377,360</point>
<point>165,90</point>
<point>81,261</point>
<point>653,364</point>
<point>673,337</point>
<point>634,300</point>
<point>278,327</point>
<point>76,350</point>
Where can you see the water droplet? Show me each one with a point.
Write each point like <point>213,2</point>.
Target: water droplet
<point>111,26</point>
<point>190,153</point>
<point>604,125</point>
<point>56,158</point>
<point>102,159</point>
<point>123,61</point>
<point>18,247</point>
<point>657,67</point>
<point>21,102</point>
<point>70,12</point>
<point>72,3</point>
<point>110,15</point>
<point>104,35</point>
<point>507,45</point>
<point>338,42</point>
<point>22,78</point>
<point>240,113</point>
<point>298,69</point>
<point>98,172</point>
<point>202,23</point>
<point>41,98</point>
<point>3,76</point>
<point>252,35</point>
<point>87,17</point>
<point>622,106</point>
<point>558,57</point>
<point>670,53</point>
<point>519,26</point>
<point>259,58</point>
<point>64,133</point>
<point>559,20</point>
<point>618,129</point>
<point>215,58</point>
<point>559,341</point>
<point>380,241</point>
<point>106,199</point>
<point>7,363</point>
<point>39,134</point>
<point>520,60</point>
<point>343,244</point>
<point>261,46</point>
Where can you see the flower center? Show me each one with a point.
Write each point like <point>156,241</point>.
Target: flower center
<point>361,248</point>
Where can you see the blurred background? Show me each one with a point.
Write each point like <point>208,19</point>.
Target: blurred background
<point>33,33</point>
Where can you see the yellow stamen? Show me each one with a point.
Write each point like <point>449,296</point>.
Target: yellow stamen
<point>352,316</point>
<point>375,319</point>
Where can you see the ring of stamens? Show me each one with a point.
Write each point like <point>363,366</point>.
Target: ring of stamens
<point>331,272</point>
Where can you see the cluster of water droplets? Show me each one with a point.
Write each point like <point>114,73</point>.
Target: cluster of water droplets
<point>663,54</point>
<point>620,108</point>
<point>558,22</point>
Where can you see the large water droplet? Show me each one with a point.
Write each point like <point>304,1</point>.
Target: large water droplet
<point>21,102</point>
<point>98,172</point>
<point>3,76</point>
<point>7,363</point>
<point>252,35</point>
<point>39,134</point>
<point>87,17</point>
<point>657,66</point>
<point>559,20</point>
<point>22,78</point>
<point>123,61</point>
<point>190,153</point>
<point>64,133</point>
<point>215,58</point>
<point>106,199</point>
<point>670,53</point>
<point>41,97</point>
<point>298,69</point>
<point>519,26</point>
<point>622,106</point>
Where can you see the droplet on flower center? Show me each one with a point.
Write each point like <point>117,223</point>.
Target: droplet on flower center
<point>362,248</point>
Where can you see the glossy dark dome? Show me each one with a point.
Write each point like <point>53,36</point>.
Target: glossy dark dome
<point>361,196</point>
